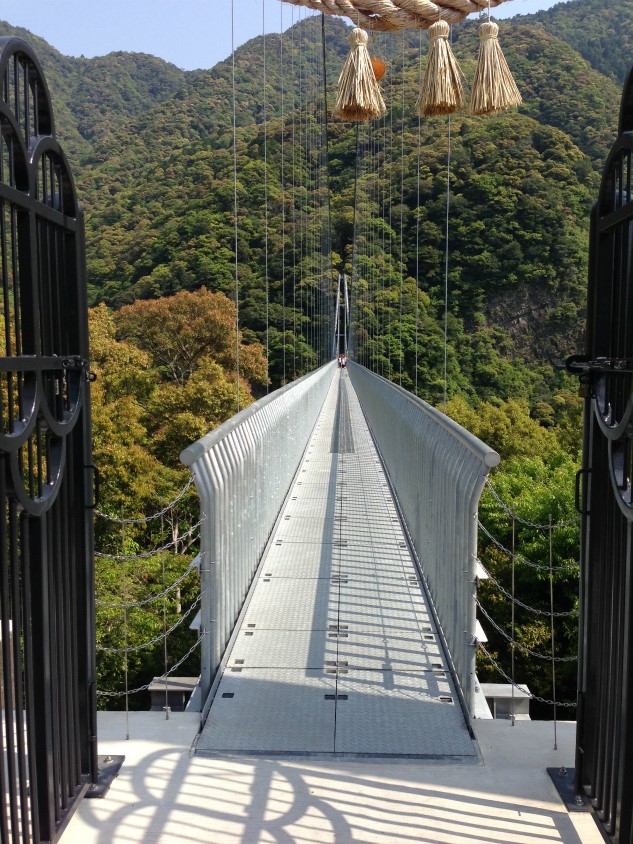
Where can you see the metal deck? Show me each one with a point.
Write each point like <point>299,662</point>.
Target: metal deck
<point>336,652</point>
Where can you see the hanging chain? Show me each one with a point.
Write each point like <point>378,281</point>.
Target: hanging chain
<point>520,646</point>
<point>526,606</point>
<point>167,674</point>
<point>142,519</point>
<point>143,555</point>
<point>496,665</point>
<point>151,600</point>
<point>156,639</point>
<point>525,522</point>
<point>519,558</point>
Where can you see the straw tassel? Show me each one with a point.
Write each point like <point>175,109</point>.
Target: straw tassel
<point>443,84</point>
<point>358,92</point>
<point>494,88</point>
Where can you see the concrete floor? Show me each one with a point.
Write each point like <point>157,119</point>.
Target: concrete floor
<point>163,795</point>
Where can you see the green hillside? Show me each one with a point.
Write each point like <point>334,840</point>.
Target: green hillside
<point>152,149</point>
<point>159,196</point>
<point>601,31</point>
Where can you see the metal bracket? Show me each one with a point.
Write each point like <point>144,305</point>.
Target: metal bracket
<point>584,365</point>
<point>77,362</point>
<point>563,779</point>
<point>108,771</point>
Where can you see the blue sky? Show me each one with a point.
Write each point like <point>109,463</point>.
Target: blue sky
<point>189,33</point>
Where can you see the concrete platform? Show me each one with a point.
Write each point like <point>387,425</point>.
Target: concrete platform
<point>163,795</point>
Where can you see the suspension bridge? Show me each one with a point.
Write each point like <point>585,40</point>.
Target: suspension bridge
<point>338,697</point>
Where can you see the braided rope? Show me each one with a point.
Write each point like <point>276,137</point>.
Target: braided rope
<point>390,15</point>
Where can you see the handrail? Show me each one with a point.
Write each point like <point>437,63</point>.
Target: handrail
<point>243,471</point>
<point>438,471</point>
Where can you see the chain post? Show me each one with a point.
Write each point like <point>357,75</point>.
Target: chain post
<point>125,630</point>
<point>162,556</point>
<point>512,710</point>
<point>551,604</point>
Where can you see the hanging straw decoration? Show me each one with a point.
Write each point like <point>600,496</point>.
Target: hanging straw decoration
<point>358,92</point>
<point>494,88</point>
<point>442,89</point>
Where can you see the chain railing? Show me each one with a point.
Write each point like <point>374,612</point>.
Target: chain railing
<point>548,571</point>
<point>182,545</point>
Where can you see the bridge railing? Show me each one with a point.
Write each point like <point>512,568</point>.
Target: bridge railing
<point>438,471</point>
<point>243,471</point>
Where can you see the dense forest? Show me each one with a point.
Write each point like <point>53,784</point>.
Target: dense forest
<point>158,169</point>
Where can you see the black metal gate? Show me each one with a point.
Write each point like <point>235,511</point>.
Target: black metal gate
<point>604,764</point>
<point>47,676</point>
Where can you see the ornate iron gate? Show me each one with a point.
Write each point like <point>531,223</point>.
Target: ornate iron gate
<point>46,579</point>
<point>604,763</point>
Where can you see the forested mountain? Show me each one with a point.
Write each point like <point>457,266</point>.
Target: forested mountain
<point>157,172</point>
<point>601,31</point>
<point>152,151</point>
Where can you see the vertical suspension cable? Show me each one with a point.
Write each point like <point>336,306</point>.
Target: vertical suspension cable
<point>283,197</point>
<point>417,229</point>
<point>354,273</point>
<point>235,221</point>
<point>302,213</point>
<point>446,258</point>
<point>386,203</point>
<point>318,233</point>
<point>299,205</point>
<point>390,201</point>
<point>326,147</point>
<point>266,278</point>
<point>294,198</point>
<point>401,350</point>
<point>308,244</point>
<point>361,234</point>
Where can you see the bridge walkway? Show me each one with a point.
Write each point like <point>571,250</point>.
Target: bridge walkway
<point>336,651</point>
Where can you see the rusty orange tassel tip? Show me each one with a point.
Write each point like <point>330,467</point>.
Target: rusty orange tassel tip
<point>379,68</point>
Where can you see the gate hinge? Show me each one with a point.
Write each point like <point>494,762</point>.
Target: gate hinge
<point>584,365</point>
<point>77,362</point>
<point>588,368</point>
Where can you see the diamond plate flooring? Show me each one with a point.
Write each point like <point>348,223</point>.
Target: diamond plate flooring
<point>337,652</point>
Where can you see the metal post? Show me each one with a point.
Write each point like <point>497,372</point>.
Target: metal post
<point>551,604</point>
<point>125,665</point>
<point>162,528</point>
<point>512,718</point>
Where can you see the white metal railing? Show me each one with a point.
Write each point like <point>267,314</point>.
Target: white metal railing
<point>243,471</point>
<point>438,471</point>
